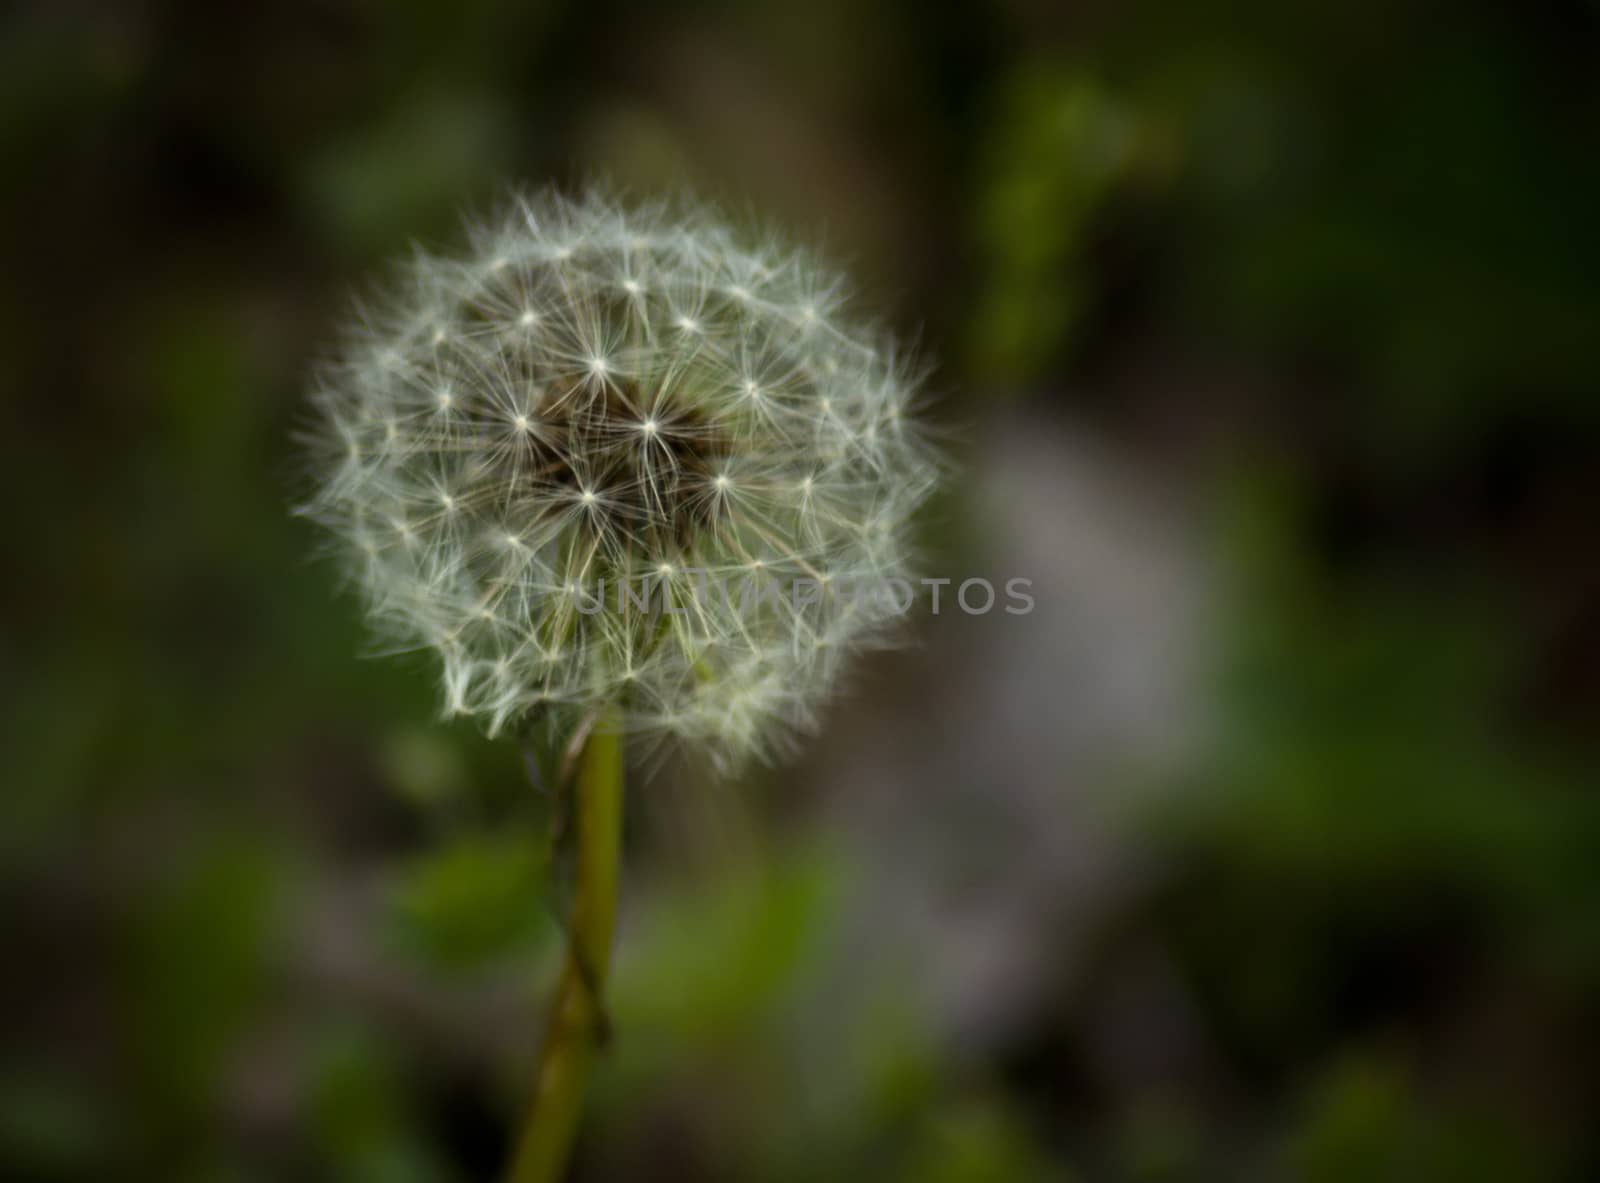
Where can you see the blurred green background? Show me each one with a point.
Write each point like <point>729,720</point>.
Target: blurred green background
<point>1268,338</point>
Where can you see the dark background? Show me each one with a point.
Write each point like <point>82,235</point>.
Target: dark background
<point>1265,848</point>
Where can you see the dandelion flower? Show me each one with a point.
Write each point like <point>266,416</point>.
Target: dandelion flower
<point>618,458</point>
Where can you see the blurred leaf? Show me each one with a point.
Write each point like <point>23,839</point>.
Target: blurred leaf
<point>1366,1122</point>
<point>195,972</point>
<point>977,1141</point>
<point>1059,142</point>
<point>366,192</point>
<point>1161,1141</point>
<point>363,1116</point>
<point>426,767</point>
<point>479,898</point>
<point>713,957</point>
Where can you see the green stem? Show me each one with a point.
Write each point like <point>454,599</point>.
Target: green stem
<point>577,1023</point>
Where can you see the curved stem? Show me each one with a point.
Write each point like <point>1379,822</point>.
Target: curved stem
<point>577,1023</point>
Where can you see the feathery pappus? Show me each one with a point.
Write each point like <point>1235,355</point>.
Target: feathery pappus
<point>595,461</point>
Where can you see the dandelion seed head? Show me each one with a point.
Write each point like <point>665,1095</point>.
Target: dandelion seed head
<point>665,419</point>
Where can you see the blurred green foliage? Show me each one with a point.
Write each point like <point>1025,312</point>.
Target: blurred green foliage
<point>364,1122</point>
<point>1059,146</point>
<point>473,900</point>
<point>1365,1123</point>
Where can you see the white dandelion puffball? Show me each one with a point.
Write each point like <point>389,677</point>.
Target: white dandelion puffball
<point>616,459</point>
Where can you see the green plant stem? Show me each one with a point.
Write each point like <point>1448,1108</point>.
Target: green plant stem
<point>577,1023</point>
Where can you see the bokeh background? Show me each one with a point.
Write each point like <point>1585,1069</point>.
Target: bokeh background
<point>1268,344</point>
